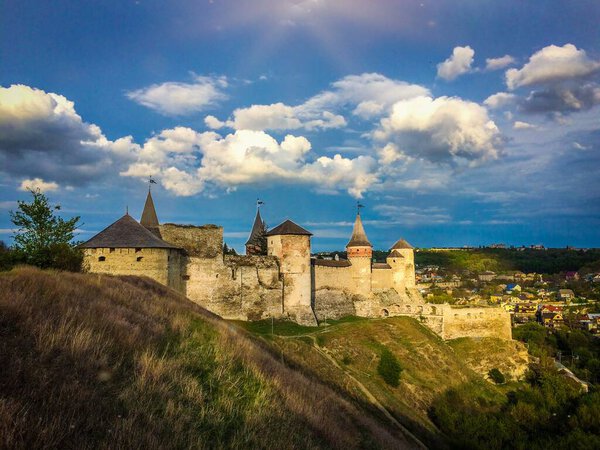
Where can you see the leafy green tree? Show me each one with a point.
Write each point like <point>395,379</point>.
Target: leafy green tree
<point>43,238</point>
<point>389,368</point>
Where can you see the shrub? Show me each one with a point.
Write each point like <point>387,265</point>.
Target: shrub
<point>496,376</point>
<point>389,368</point>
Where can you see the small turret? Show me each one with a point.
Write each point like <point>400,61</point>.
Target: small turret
<point>149,218</point>
<point>359,244</point>
<point>360,252</point>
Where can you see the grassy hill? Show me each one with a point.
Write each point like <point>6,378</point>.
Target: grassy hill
<point>346,353</point>
<point>89,361</point>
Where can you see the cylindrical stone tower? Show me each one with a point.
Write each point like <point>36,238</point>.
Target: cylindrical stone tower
<point>360,253</point>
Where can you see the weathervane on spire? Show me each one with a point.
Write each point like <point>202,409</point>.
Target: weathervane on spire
<point>258,203</point>
<point>150,182</point>
<point>358,206</point>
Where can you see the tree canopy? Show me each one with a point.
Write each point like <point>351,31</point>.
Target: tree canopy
<point>43,237</point>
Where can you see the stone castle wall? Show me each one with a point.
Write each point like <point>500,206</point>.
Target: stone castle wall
<point>476,322</point>
<point>160,264</point>
<point>381,279</point>
<point>331,277</point>
<point>234,287</point>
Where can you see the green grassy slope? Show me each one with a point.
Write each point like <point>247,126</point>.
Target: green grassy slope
<point>90,361</point>
<point>347,352</point>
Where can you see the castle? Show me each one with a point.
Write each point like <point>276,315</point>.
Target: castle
<point>277,278</point>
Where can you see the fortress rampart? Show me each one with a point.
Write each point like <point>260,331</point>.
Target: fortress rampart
<point>278,278</point>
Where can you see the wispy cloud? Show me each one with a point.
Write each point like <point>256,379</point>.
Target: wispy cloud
<point>175,98</point>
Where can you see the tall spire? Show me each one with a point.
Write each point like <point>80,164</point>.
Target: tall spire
<point>257,240</point>
<point>359,237</point>
<point>149,217</point>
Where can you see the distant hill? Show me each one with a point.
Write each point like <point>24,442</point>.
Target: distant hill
<point>89,361</point>
<point>496,259</point>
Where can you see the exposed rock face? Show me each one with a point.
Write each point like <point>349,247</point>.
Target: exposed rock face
<point>484,354</point>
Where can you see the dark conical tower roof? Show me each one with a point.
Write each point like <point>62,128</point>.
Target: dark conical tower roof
<point>359,237</point>
<point>289,228</point>
<point>149,218</point>
<point>126,233</point>
<point>256,235</point>
<point>401,245</point>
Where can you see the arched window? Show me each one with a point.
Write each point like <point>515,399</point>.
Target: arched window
<point>139,258</point>
<point>101,258</point>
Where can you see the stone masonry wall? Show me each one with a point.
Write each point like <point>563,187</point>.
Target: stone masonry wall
<point>381,279</point>
<point>331,277</point>
<point>199,241</point>
<point>148,262</point>
<point>476,322</point>
<point>234,287</point>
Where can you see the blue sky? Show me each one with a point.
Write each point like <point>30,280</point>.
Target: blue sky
<point>454,122</point>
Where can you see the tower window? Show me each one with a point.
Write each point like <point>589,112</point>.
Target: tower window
<point>137,250</point>
<point>139,258</point>
<point>112,250</point>
<point>101,258</point>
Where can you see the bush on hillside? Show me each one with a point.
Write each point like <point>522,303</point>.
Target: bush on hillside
<point>389,368</point>
<point>496,376</point>
<point>8,257</point>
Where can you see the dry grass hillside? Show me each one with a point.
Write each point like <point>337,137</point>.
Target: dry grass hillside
<point>90,361</point>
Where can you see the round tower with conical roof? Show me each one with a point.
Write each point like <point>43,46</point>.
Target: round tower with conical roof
<point>290,243</point>
<point>402,261</point>
<point>360,253</point>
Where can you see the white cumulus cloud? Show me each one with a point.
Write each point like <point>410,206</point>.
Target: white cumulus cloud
<point>499,100</point>
<point>551,64</point>
<point>37,184</point>
<point>173,98</point>
<point>457,64</point>
<point>42,136</point>
<point>368,95</point>
<point>187,162</point>
<point>444,129</point>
